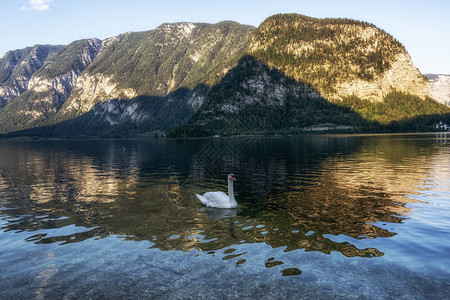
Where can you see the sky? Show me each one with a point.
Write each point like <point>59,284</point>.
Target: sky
<point>423,27</point>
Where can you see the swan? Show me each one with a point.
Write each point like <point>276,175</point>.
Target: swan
<point>220,199</point>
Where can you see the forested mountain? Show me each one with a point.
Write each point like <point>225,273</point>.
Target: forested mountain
<point>338,57</point>
<point>291,74</point>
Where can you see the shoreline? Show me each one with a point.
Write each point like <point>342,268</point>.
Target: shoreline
<point>18,139</point>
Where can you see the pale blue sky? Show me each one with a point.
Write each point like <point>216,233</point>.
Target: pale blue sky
<point>422,26</point>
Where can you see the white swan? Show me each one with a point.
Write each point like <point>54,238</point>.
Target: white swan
<point>220,199</point>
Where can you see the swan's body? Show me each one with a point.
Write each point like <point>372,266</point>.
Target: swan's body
<point>217,199</point>
<point>220,199</point>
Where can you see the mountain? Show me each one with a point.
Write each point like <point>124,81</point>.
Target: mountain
<point>156,64</point>
<point>440,87</point>
<point>47,86</point>
<point>292,73</point>
<point>17,67</point>
<point>338,57</point>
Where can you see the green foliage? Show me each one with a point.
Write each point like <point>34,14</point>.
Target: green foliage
<point>396,107</point>
<point>422,123</point>
<point>187,131</point>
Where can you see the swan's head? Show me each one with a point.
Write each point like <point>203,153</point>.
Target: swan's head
<point>231,177</point>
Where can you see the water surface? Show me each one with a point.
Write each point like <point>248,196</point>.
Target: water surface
<point>318,217</point>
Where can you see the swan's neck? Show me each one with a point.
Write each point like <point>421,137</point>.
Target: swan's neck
<point>230,190</point>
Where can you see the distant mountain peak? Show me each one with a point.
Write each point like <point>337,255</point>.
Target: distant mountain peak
<point>440,87</point>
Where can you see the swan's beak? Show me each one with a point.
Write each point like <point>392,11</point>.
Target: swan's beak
<point>234,178</point>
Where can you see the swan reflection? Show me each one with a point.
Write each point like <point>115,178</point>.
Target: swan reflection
<point>218,213</point>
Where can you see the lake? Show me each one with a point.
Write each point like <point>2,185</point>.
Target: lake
<point>318,217</point>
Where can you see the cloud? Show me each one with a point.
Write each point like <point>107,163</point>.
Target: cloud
<point>39,5</point>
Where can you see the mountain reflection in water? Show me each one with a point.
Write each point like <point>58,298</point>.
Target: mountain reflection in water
<point>292,192</point>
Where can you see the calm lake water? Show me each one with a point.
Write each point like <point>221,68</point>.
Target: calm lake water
<point>318,217</point>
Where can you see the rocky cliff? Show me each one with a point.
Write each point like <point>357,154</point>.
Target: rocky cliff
<point>440,87</point>
<point>17,67</point>
<point>47,87</point>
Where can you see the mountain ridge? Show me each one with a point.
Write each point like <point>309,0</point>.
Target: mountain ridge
<point>183,69</point>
